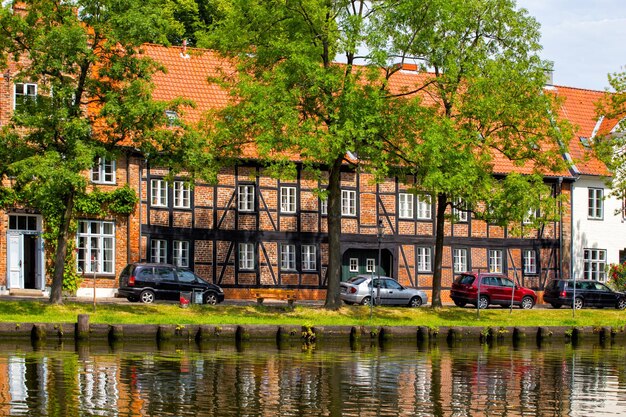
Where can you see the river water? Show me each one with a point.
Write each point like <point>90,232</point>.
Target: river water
<point>298,380</point>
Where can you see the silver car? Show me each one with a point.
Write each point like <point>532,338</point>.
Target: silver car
<point>358,290</point>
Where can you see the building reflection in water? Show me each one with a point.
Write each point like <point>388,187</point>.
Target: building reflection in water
<point>225,380</point>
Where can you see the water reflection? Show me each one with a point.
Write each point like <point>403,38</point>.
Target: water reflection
<point>260,380</point>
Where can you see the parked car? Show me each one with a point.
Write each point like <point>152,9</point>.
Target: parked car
<point>147,282</point>
<point>589,293</point>
<point>494,289</point>
<point>358,290</point>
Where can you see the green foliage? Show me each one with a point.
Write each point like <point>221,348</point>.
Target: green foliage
<point>121,201</point>
<point>617,276</point>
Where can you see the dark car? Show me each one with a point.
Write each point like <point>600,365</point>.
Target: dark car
<point>494,289</point>
<point>589,293</point>
<point>149,282</point>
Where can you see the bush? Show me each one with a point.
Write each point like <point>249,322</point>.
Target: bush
<point>617,276</point>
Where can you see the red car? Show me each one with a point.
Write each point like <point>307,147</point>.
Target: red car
<point>494,289</point>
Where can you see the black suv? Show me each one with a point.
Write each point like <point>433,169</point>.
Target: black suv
<point>589,293</point>
<point>148,282</point>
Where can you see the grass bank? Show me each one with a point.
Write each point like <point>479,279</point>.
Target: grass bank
<point>42,312</point>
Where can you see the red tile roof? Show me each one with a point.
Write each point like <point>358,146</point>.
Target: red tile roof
<point>188,76</point>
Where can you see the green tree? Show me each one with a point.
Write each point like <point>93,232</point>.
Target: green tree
<point>482,96</point>
<point>482,102</point>
<point>94,95</point>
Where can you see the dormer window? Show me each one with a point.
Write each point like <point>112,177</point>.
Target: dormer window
<point>172,118</point>
<point>585,142</point>
<point>24,93</point>
<point>103,172</point>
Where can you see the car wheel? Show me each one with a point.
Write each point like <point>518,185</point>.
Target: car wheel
<point>555,305</point>
<point>415,302</point>
<point>621,303</point>
<point>483,302</point>
<point>460,303</point>
<point>578,303</point>
<point>210,298</point>
<point>527,303</point>
<point>147,296</point>
<point>132,299</point>
<point>366,301</point>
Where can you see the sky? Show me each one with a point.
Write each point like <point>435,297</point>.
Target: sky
<point>585,39</point>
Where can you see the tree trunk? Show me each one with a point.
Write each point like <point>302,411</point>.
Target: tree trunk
<point>61,252</point>
<point>333,273</point>
<point>442,200</point>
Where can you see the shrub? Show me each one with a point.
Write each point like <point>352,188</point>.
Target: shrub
<point>617,276</point>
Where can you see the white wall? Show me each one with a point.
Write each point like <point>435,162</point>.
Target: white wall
<point>608,233</point>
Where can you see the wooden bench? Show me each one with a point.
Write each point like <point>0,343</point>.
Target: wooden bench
<point>275,293</point>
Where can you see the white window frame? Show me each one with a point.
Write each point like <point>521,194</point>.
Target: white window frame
<point>406,202</point>
<point>287,257</point>
<point>530,262</point>
<point>370,265</point>
<point>288,200</point>
<point>461,216</point>
<point>180,253</point>
<point>460,260</point>
<point>531,216</point>
<point>594,264</point>
<point>354,264</point>
<point>103,171</point>
<point>245,197</point>
<point>172,118</point>
<point>25,93</point>
<point>158,251</point>
<point>309,257</point>
<point>496,261</point>
<point>98,246</point>
<point>182,195</point>
<point>158,193</point>
<point>596,203</point>
<point>424,259</point>
<point>348,203</point>
<point>246,256</point>
<point>324,206</point>
<point>424,207</point>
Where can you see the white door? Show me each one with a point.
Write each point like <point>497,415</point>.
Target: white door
<point>15,261</point>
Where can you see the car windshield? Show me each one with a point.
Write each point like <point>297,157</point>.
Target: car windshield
<point>356,280</point>
<point>186,276</point>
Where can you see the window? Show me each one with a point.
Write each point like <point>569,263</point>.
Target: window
<point>370,265</point>
<point>460,260</point>
<point>24,93</point>
<point>531,216</point>
<point>95,245</point>
<point>246,256</point>
<point>348,203</point>
<point>288,257</point>
<point>23,222</point>
<point>158,193</point>
<point>594,264</point>
<point>172,118</point>
<point>309,258</point>
<point>405,205</point>
<point>324,207</point>
<point>245,197</point>
<point>459,214</point>
<point>354,265</point>
<point>495,261</point>
<point>530,262</point>
<point>596,203</point>
<point>103,171</point>
<point>182,195</point>
<point>158,251</point>
<point>288,199</point>
<point>424,207</point>
<point>424,259</point>
<point>180,255</point>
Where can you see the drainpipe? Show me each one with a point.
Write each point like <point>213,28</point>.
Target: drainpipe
<point>128,228</point>
<point>560,185</point>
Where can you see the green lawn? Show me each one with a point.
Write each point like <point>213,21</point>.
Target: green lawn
<point>35,311</point>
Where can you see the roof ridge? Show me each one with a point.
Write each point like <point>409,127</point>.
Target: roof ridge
<point>180,47</point>
<point>580,88</point>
